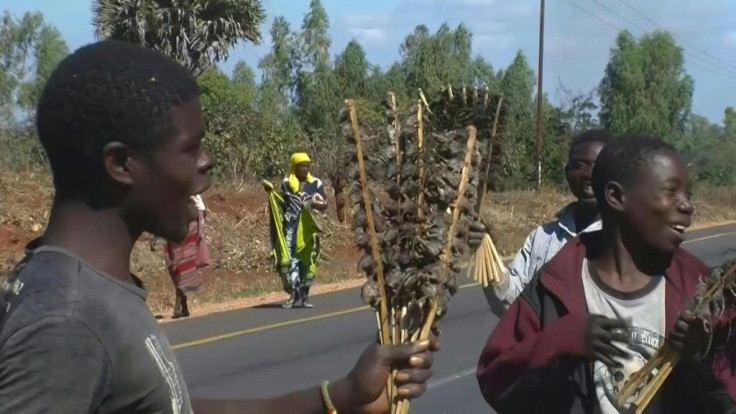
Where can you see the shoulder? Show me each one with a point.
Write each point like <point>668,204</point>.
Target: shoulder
<point>545,233</point>
<point>43,284</point>
<point>53,287</point>
<point>314,186</point>
<point>687,267</point>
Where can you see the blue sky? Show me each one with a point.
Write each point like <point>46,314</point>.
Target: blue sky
<point>578,34</point>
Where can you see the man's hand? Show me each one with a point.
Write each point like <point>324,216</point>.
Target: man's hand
<point>600,333</point>
<point>691,336</point>
<point>365,385</point>
<point>476,232</point>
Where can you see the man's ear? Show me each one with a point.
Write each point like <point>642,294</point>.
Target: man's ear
<point>615,196</point>
<point>116,156</point>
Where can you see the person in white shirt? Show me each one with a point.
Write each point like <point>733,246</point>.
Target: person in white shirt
<point>546,240</point>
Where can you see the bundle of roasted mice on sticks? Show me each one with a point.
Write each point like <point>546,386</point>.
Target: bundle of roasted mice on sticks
<point>714,304</point>
<point>415,185</point>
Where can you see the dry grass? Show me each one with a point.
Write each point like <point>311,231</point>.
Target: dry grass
<point>238,230</point>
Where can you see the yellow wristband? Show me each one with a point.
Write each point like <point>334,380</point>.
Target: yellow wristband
<point>326,399</point>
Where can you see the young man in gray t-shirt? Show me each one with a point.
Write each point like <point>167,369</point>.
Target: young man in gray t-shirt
<point>123,129</point>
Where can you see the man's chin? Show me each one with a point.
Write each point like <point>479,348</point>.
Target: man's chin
<point>587,202</point>
<point>174,235</point>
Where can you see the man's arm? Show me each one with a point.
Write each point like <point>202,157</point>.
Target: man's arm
<point>362,391</point>
<point>518,346</point>
<point>303,402</point>
<point>55,365</point>
<point>520,273</point>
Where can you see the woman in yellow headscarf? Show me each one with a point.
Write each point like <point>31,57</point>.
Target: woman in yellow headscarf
<point>300,192</point>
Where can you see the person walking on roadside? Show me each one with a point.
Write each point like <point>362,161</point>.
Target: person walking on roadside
<point>301,192</point>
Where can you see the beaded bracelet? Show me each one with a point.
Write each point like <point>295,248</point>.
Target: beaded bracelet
<point>326,399</point>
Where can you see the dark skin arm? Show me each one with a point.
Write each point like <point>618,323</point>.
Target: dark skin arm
<point>362,391</point>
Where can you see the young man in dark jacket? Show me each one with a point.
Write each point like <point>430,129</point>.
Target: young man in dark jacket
<point>608,300</point>
<point>122,126</point>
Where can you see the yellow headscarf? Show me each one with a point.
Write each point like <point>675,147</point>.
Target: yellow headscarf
<point>296,159</point>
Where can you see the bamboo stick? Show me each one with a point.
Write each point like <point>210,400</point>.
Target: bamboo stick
<point>397,132</point>
<point>420,155</point>
<point>499,262</point>
<point>424,101</point>
<point>447,255</point>
<point>487,255</point>
<point>482,270</point>
<point>375,251</point>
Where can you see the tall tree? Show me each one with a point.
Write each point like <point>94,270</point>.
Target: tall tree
<point>351,71</point>
<point>29,51</point>
<point>17,39</point>
<point>729,121</point>
<point>517,86</point>
<point>50,49</point>
<point>431,61</point>
<point>646,88</point>
<point>244,81</point>
<point>197,33</point>
<point>280,64</point>
<point>315,38</point>
<point>317,104</point>
<point>482,75</point>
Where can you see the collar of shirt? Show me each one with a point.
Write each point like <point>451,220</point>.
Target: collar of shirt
<point>566,221</point>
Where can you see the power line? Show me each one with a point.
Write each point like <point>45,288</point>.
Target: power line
<point>696,59</point>
<point>594,15</point>
<point>716,58</point>
<point>687,52</point>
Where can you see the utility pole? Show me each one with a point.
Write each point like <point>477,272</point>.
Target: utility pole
<point>540,98</point>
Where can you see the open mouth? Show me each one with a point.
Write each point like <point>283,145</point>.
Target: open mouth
<point>679,228</point>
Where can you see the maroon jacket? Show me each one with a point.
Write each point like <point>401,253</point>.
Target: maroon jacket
<point>533,360</point>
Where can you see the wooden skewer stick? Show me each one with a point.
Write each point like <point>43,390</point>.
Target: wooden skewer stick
<point>482,270</point>
<point>424,101</point>
<point>488,258</point>
<point>375,250</point>
<point>664,361</point>
<point>420,155</point>
<point>397,135</point>
<point>447,253</point>
<point>499,262</point>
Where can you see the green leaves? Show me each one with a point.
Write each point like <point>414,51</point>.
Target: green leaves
<point>197,33</point>
<point>645,88</point>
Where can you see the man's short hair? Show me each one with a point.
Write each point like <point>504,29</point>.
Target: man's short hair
<point>104,92</point>
<point>591,135</point>
<point>622,159</point>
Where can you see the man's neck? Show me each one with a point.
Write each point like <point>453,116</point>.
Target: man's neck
<point>621,266</point>
<point>584,216</point>
<point>98,237</point>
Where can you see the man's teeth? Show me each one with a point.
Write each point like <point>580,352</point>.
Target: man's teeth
<point>679,227</point>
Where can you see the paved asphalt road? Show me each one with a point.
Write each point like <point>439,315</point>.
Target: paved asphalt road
<point>267,350</point>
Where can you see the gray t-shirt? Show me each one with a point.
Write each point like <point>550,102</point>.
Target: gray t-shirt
<point>646,311</point>
<point>74,340</point>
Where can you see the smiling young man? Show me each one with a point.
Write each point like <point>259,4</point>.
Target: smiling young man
<point>122,127</point>
<point>608,300</point>
<point>546,240</point>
